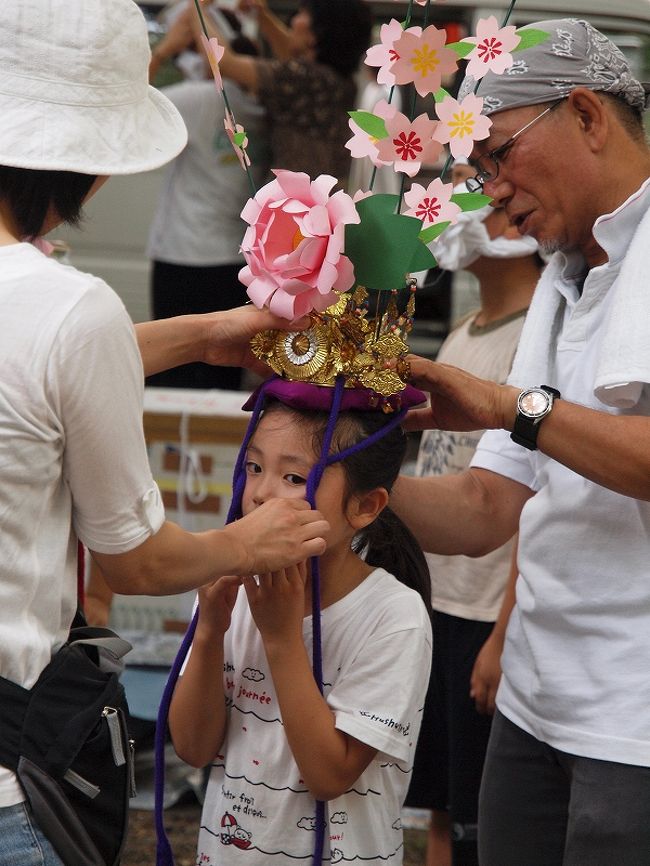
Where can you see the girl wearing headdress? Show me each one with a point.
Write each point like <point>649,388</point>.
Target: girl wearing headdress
<point>248,703</point>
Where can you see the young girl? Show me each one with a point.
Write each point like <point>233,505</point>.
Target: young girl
<point>247,702</point>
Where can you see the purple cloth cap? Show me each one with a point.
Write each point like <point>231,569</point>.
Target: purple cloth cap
<point>304,395</point>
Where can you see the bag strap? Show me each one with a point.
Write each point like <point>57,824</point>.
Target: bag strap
<point>14,700</point>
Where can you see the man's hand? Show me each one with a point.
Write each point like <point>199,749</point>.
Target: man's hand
<point>459,401</point>
<point>278,534</point>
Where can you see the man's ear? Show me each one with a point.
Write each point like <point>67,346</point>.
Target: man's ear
<point>363,508</point>
<point>592,116</point>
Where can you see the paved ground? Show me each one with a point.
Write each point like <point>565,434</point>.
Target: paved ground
<point>182,823</point>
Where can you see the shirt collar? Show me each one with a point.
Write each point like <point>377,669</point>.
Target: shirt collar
<point>613,232</point>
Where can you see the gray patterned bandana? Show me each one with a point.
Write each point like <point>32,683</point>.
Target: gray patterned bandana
<point>574,55</point>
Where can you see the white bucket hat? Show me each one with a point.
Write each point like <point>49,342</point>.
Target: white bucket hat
<point>74,94</point>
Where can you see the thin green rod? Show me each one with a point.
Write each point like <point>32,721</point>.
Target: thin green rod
<point>226,102</point>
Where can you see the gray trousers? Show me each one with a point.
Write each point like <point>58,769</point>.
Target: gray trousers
<point>542,807</point>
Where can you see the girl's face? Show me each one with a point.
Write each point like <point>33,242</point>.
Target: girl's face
<point>278,461</point>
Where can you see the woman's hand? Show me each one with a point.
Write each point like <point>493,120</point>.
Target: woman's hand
<point>228,334</point>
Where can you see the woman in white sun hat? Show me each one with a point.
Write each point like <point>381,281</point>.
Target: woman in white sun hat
<point>75,108</point>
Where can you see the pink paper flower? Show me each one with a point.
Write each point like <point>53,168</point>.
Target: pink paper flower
<point>493,47</point>
<point>461,124</point>
<point>362,144</point>
<point>423,59</point>
<point>409,144</point>
<point>214,53</point>
<point>384,54</point>
<point>294,244</point>
<point>240,149</point>
<point>433,204</point>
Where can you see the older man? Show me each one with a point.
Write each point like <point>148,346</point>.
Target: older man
<point>567,777</point>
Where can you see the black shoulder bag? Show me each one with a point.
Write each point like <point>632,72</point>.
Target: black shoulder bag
<point>66,739</point>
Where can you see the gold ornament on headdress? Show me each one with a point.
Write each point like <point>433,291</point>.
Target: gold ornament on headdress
<point>342,340</point>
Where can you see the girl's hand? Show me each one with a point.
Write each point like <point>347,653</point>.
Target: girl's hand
<point>277,603</point>
<point>216,603</point>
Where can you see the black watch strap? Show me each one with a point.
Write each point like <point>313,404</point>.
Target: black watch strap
<point>525,430</point>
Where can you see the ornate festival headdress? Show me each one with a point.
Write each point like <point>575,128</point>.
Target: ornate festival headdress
<point>342,260</point>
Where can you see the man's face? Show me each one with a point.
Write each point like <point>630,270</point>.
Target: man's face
<point>539,184</point>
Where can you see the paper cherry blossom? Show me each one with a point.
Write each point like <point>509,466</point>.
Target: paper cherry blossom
<point>294,244</point>
<point>238,140</point>
<point>363,143</point>
<point>409,144</point>
<point>214,53</point>
<point>383,54</point>
<point>461,124</point>
<point>432,204</point>
<point>493,47</point>
<point>423,59</point>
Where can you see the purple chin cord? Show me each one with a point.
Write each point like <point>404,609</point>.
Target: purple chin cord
<point>164,854</point>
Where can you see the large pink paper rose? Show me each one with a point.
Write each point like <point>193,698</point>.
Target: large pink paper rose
<point>294,244</point>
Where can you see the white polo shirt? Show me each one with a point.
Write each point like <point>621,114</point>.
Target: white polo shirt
<point>576,664</point>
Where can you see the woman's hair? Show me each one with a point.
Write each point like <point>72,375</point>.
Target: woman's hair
<point>386,542</point>
<point>29,194</point>
<point>342,29</point>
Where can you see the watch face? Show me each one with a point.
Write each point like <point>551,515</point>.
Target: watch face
<point>534,403</point>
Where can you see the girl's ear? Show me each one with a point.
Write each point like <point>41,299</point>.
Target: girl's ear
<point>364,508</point>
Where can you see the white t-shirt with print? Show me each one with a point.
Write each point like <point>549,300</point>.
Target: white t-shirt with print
<point>577,651</point>
<point>73,460</point>
<point>376,659</point>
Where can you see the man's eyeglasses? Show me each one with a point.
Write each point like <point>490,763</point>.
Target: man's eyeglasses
<point>488,165</point>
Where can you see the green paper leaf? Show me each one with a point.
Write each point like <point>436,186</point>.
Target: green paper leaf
<point>239,138</point>
<point>462,49</point>
<point>470,200</point>
<point>441,94</point>
<point>369,123</point>
<point>530,37</point>
<point>434,231</point>
<point>385,245</point>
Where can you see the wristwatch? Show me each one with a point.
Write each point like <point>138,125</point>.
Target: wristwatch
<point>533,405</point>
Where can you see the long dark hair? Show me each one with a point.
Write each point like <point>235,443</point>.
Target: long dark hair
<point>342,29</point>
<point>387,542</point>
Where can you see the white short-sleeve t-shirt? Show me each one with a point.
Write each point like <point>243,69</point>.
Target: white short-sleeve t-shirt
<point>376,661</point>
<point>73,461</point>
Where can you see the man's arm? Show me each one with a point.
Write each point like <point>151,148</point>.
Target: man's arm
<point>472,513</point>
<point>610,450</point>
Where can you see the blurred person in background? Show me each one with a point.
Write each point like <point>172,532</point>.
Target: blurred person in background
<point>308,87</point>
<point>196,229</point>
